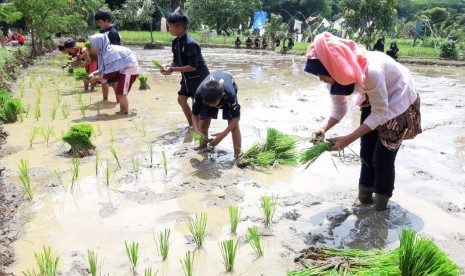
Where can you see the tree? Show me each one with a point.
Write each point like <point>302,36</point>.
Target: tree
<point>275,28</point>
<point>136,12</point>
<point>299,9</point>
<point>368,18</point>
<point>8,13</point>
<point>221,15</point>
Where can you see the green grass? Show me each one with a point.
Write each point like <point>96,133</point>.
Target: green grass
<point>309,156</point>
<point>162,242</point>
<point>46,133</point>
<point>234,217</point>
<point>269,208</point>
<point>188,263</point>
<point>115,155</point>
<point>92,261</point>
<point>142,37</point>
<point>165,162</point>
<point>32,136</point>
<point>197,228</point>
<point>24,177</point>
<point>228,251</point>
<point>65,110</point>
<point>132,251</point>
<point>255,241</point>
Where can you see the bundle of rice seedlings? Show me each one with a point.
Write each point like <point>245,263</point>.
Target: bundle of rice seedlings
<point>310,155</point>
<point>143,82</point>
<point>80,74</point>
<point>278,149</point>
<point>198,137</point>
<point>78,137</point>
<point>415,256</point>
<point>10,108</point>
<point>157,64</point>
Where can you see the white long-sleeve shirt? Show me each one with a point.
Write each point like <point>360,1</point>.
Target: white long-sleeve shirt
<point>389,87</point>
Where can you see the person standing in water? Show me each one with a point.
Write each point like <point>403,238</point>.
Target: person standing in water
<point>389,102</point>
<point>187,59</point>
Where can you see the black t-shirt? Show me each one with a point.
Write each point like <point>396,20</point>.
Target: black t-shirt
<point>113,35</point>
<point>186,51</point>
<point>229,99</point>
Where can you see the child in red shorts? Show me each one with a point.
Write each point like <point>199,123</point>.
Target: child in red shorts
<point>115,61</point>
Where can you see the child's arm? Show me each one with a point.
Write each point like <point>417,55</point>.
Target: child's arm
<point>220,136</point>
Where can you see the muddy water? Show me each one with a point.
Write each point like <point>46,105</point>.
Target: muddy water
<point>315,206</point>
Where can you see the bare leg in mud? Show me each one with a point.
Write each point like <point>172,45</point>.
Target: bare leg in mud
<point>105,91</point>
<point>204,125</point>
<point>182,101</point>
<point>123,104</point>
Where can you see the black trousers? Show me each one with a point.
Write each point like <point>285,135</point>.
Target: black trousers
<point>378,170</point>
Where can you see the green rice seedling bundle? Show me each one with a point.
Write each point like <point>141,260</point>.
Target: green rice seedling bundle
<point>157,64</point>
<point>71,70</point>
<point>269,208</point>
<point>255,241</point>
<point>143,85</point>
<point>188,263</point>
<point>162,241</point>
<point>132,251</point>
<point>277,149</point>
<point>92,260</point>
<point>415,256</point>
<point>197,228</point>
<point>198,137</point>
<point>80,74</point>
<point>10,109</point>
<point>234,217</point>
<point>228,251</point>
<point>24,177</point>
<point>310,155</point>
<point>78,137</point>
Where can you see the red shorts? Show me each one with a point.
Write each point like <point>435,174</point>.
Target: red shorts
<point>92,67</point>
<point>125,83</point>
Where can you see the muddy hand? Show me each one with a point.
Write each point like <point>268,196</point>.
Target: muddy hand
<point>339,143</point>
<point>317,136</point>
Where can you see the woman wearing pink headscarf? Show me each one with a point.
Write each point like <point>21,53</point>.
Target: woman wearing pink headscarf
<point>389,102</point>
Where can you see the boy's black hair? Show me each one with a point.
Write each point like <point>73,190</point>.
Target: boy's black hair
<point>179,16</point>
<point>81,39</point>
<point>211,91</point>
<point>61,48</point>
<point>102,15</point>
<point>70,44</point>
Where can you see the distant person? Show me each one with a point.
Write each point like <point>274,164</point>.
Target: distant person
<point>257,43</point>
<point>3,34</point>
<point>248,42</point>
<point>217,91</point>
<point>379,45</point>
<point>62,49</point>
<point>103,19</point>
<point>277,42</point>
<point>265,43</point>
<point>118,62</point>
<point>238,42</point>
<point>393,51</point>
<point>290,43</point>
<point>16,38</point>
<point>390,108</point>
<point>81,57</point>
<point>187,59</point>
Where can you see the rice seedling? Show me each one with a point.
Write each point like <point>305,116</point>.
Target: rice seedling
<point>165,162</point>
<point>277,149</point>
<point>151,152</point>
<point>162,241</point>
<point>269,208</point>
<point>47,262</point>
<point>78,137</point>
<point>107,174</point>
<point>254,240</point>
<point>24,177</point>
<point>58,96</point>
<point>80,74</point>
<point>234,214</point>
<point>197,228</point>
<point>157,64</point>
<point>149,272</point>
<point>136,166</point>
<point>198,137</point>
<point>143,82</point>
<point>32,136</point>
<point>82,108</point>
<point>65,110</point>
<point>112,135</point>
<point>79,97</point>
<point>46,133</point>
<point>53,111</point>
<point>132,251</point>
<point>59,177</point>
<point>37,112</point>
<point>27,109</point>
<point>92,260</point>
<point>188,263</point>
<point>115,155</point>
<point>98,108</point>
<point>228,251</point>
<point>75,172</point>
<point>97,161</point>
<point>309,156</point>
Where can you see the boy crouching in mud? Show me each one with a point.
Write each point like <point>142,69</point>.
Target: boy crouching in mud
<point>217,91</point>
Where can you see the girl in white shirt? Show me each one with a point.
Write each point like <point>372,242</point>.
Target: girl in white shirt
<point>390,106</point>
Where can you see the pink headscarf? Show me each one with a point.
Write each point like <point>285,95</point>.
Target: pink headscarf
<point>345,61</point>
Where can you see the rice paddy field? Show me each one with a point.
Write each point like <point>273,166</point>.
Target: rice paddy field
<point>145,202</point>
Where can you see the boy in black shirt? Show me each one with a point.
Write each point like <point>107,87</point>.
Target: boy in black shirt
<point>103,19</point>
<point>217,91</point>
<point>187,59</point>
